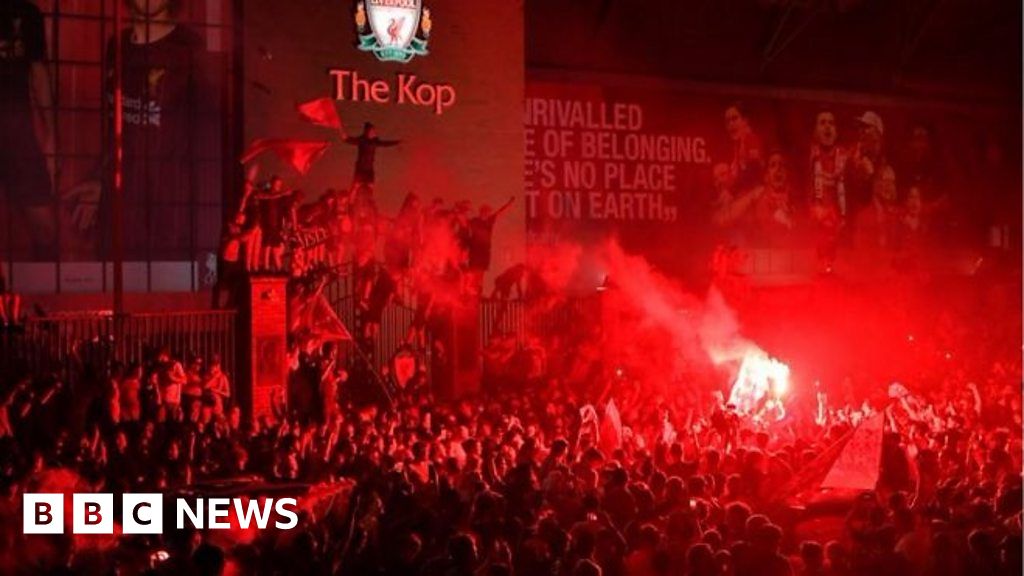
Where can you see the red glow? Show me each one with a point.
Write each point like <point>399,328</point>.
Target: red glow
<point>760,380</point>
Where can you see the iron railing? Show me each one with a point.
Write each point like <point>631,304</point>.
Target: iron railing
<point>394,325</point>
<point>522,318</point>
<point>68,344</point>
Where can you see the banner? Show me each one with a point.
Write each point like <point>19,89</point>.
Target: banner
<point>857,465</point>
<point>674,171</point>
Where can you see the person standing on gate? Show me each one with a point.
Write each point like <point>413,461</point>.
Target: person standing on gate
<point>366,145</point>
<point>481,232</point>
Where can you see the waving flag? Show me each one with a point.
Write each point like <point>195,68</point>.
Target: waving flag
<point>312,321</point>
<point>588,414</point>
<point>850,464</point>
<point>857,466</point>
<point>320,112</point>
<point>300,154</point>
<point>611,428</point>
<point>588,424</point>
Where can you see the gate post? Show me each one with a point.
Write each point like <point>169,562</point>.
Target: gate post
<point>263,345</point>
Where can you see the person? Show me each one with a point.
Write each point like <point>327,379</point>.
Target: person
<point>416,335</point>
<point>765,543</point>
<point>922,165</point>
<point>366,152</point>
<point>878,223</point>
<point>747,157</point>
<point>499,468</point>
<point>514,277</point>
<point>192,392</point>
<point>828,160</point>
<point>111,409</point>
<point>169,121</point>
<point>772,213</point>
<point>340,232</point>
<point>131,388</point>
<point>27,158</point>
<point>382,292</point>
<point>827,194</point>
<point>460,233</point>
<point>275,207</point>
<point>481,232</point>
<point>914,225</point>
<point>922,169</point>
<point>729,209</point>
<point>332,377</point>
<point>812,559</point>
<point>171,378</point>
<point>150,396</point>
<point>866,159</point>
<point>239,247</point>
<point>216,387</point>
<point>234,244</point>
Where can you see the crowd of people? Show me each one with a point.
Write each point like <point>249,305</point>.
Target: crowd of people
<point>600,475</point>
<point>867,193</point>
<point>428,255</point>
<point>561,464</point>
<point>565,462</point>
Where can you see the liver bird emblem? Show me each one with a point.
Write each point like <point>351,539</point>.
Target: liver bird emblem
<point>394,29</point>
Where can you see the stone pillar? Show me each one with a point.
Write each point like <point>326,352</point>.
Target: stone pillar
<point>458,370</point>
<point>466,347</point>
<point>264,344</point>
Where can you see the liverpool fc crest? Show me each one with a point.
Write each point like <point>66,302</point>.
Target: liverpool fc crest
<point>394,30</point>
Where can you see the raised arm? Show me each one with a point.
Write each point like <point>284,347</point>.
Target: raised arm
<point>250,187</point>
<point>505,206</point>
<point>976,396</point>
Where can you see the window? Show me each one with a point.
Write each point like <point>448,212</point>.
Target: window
<point>56,170</point>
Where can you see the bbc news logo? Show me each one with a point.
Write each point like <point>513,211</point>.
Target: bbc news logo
<point>144,513</point>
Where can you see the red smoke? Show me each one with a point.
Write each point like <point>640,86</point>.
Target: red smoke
<point>651,328</point>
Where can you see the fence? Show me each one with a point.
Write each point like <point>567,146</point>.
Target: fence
<point>66,344</point>
<point>394,324</point>
<point>496,316</point>
<point>522,318</point>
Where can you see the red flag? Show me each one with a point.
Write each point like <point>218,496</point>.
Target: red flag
<point>320,112</point>
<point>611,428</point>
<point>849,465</point>
<point>804,484</point>
<point>312,316</point>
<point>856,468</point>
<point>300,154</point>
<point>326,322</point>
